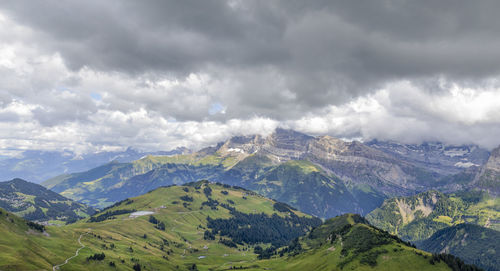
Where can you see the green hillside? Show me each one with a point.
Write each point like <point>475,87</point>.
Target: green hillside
<point>25,247</point>
<point>192,224</point>
<point>293,182</point>
<point>416,218</point>
<point>347,242</point>
<point>112,182</point>
<point>307,186</point>
<point>472,243</point>
<point>35,202</point>
<point>205,226</point>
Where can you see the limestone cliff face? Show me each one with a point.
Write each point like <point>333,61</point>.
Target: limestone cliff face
<point>354,162</point>
<point>437,157</point>
<point>494,160</point>
<point>488,178</point>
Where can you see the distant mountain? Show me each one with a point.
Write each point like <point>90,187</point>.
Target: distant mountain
<point>112,182</point>
<point>208,226</point>
<point>488,178</point>
<point>38,166</point>
<point>472,243</point>
<point>437,157</point>
<point>286,165</point>
<point>35,202</point>
<point>416,218</point>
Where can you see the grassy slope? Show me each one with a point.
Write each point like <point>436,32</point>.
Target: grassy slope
<point>183,234</point>
<point>35,202</point>
<point>405,216</point>
<point>323,258</point>
<point>182,243</point>
<point>92,186</point>
<point>322,254</point>
<point>309,188</point>
<point>23,248</point>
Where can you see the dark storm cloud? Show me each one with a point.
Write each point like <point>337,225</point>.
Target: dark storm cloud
<point>322,52</point>
<point>159,74</point>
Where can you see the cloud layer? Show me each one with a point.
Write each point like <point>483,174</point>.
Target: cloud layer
<point>94,75</point>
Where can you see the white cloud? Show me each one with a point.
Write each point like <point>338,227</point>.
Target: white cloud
<point>47,106</point>
<point>402,111</point>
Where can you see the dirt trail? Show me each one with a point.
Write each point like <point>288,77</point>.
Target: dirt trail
<point>56,267</point>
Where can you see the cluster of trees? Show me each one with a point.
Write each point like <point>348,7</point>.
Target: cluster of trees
<point>370,258</point>
<point>110,215</point>
<point>187,198</point>
<point>361,239</point>
<point>282,207</point>
<point>264,253</point>
<point>137,267</point>
<point>36,226</point>
<point>158,224</point>
<point>456,264</point>
<point>293,248</point>
<point>261,228</point>
<point>96,257</point>
<point>208,235</point>
<point>358,240</point>
<point>211,203</point>
<point>228,243</point>
<point>207,191</point>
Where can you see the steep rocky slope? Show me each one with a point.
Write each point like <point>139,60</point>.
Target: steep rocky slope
<point>437,157</point>
<point>416,218</point>
<point>489,176</point>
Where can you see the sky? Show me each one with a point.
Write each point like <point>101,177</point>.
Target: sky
<point>90,76</point>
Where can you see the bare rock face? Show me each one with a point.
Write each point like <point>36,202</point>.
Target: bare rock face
<point>437,157</point>
<point>494,160</point>
<point>488,178</point>
<point>354,162</point>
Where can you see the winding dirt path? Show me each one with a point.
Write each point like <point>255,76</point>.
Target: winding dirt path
<point>56,267</point>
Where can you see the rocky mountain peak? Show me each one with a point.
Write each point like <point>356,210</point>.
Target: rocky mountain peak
<point>289,139</point>
<point>241,145</point>
<point>494,160</point>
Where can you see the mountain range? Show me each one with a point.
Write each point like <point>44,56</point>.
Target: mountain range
<point>38,166</point>
<point>261,196</point>
<point>320,175</point>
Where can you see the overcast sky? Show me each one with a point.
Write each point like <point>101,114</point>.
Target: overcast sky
<point>100,75</point>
